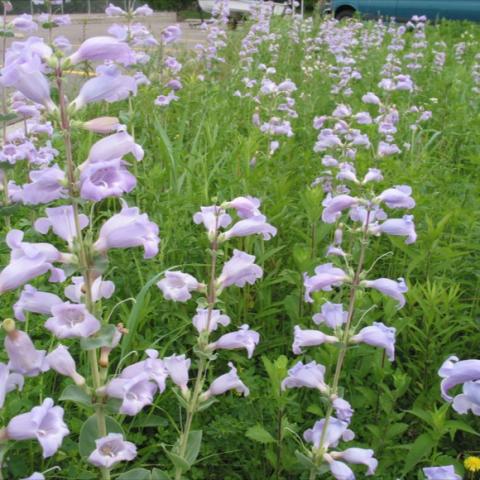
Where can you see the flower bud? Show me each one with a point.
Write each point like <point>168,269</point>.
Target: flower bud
<point>101,125</point>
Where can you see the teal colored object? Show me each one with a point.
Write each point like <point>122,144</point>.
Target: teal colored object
<point>405,9</point>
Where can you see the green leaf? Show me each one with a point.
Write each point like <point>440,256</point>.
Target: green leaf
<point>9,210</point>
<point>8,117</point>
<point>89,433</point>
<point>454,425</point>
<point>103,338</point>
<point>305,461</point>
<point>159,475</point>
<point>74,393</point>
<point>193,446</point>
<point>258,434</point>
<point>135,474</point>
<point>178,462</point>
<point>418,450</point>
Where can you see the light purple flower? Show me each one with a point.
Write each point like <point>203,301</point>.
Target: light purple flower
<point>309,338</point>
<point>177,286</point>
<point>326,276</point>
<point>171,34</point>
<point>35,476</point>
<point>128,229</point>
<point>8,382</point>
<point>363,118</point>
<point>143,10</point>
<point>310,375</point>
<point>378,335</point>
<point>335,205</point>
<point>371,98</point>
<point>45,423</point>
<point>111,450</point>
<point>343,410</point>
<point>113,10</point>
<point>213,218</point>
<point>397,226</point>
<point>397,197</point>
<point>226,382</point>
<point>239,270</point>
<point>101,180</point>
<point>177,367</point>
<point>99,289</point>
<point>115,146</point>
<point>358,456</point>
<point>62,221</point>
<point>469,399</point>
<point>98,49</point>
<point>24,358</point>
<point>391,288</point>
<point>342,111</point>
<point>332,315</point>
<point>243,338</point>
<point>441,473</point>
<point>152,366</point>
<point>24,23</point>
<point>250,226</point>
<point>245,207</point>
<point>47,184</point>
<point>165,100</point>
<point>63,363</point>
<point>202,323</point>
<point>386,149</point>
<point>34,301</point>
<point>336,430</point>
<point>71,320</point>
<point>373,175</point>
<point>455,372</point>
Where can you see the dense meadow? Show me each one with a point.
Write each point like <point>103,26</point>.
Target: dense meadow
<point>319,121</point>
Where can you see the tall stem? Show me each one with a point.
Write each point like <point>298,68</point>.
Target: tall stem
<point>83,253</point>
<point>344,342</point>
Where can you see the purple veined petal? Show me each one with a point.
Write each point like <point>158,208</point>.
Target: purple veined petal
<point>336,430</point>
<point>335,205</point>
<point>98,49</point>
<point>99,289</point>
<point>9,382</point>
<point>34,301</point>
<point>251,226</point>
<point>70,320</point>
<point>378,335</point>
<point>243,338</point>
<point>45,423</point>
<point>309,338</point>
<point>391,288</point>
<point>62,222</point>
<point>226,382</point>
<point>177,286</point>
<point>441,473</point>
<point>111,450</point>
<point>129,229</point>
<point>239,270</point>
<point>310,375</point>
<point>455,372</point>
<point>115,146</point>
<point>177,367</point>
<point>326,276</point>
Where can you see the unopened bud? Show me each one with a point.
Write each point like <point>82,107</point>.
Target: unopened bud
<point>102,125</point>
<point>9,325</point>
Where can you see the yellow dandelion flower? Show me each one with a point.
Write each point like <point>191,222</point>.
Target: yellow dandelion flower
<point>472,464</point>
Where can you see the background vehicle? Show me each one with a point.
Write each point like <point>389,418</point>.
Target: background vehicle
<point>241,7</point>
<point>405,9</point>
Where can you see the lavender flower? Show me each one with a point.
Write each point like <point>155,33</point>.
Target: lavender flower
<point>397,226</point>
<point>99,289</point>
<point>245,207</point>
<point>177,367</point>
<point>34,301</point>
<point>243,338</point>
<point>398,197</point>
<point>46,185</point>
<point>336,430</point>
<point>332,315</point>
<point>239,270</point>
<point>111,450</point>
<point>228,381</point>
<point>250,226</point>
<point>455,372</point>
<point>310,375</point>
<point>152,366</point>
<point>62,362</point>
<point>310,338</point>
<point>441,473</point>
<point>72,320</point>
<point>98,49</point>
<point>391,288</point>
<point>335,205</point>
<point>203,323</point>
<point>343,410</point>
<point>326,276</point>
<point>213,218</point>
<point>177,286</point>
<point>378,335</point>
<point>115,146</point>
<point>8,382</point>
<point>358,456</point>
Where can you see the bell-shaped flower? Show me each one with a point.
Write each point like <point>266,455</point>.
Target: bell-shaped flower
<point>243,338</point>
<point>347,172</point>
<point>385,149</point>
<point>20,249</point>
<point>250,226</point>
<point>102,124</point>
<point>239,270</point>
<point>143,11</point>
<point>335,205</point>
<point>469,399</point>
<point>111,450</point>
<point>24,23</point>
<point>63,363</point>
<point>455,372</point>
<point>71,320</point>
<point>128,229</point>
<point>8,382</point>
<point>358,456</point>
<point>153,366</point>
<point>135,392</point>
<point>404,227</point>
<point>391,288</point>
<point>47,184</point>
<point>23,357</point>
<point>310,375</point>
<point>101,180</point>
<point>213,218</point>
<point>62,222</point>
<point>177,286</point>
<point>209,320</point>
<point>245,207</point>
<point>35,476</point>
<point>309,338</point>
<point>171,34</point>
<point>177,367</point>
<point>373,175</point>
<point>34,301</point>
<point>343,409</point>
<point>371,98</point>
<point>326,276</point>
<point>99,289</point>
<point>115,146</point>
<point>44,423</point>
<point>226,382</point>
<point>332,315</point>
<point>441,473</point>
<point>109,85</point>
<point>113,10</point>
<point>378,335</point>
<point>397,197</point>
<point>99,49</point>
<point>335,431</point>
